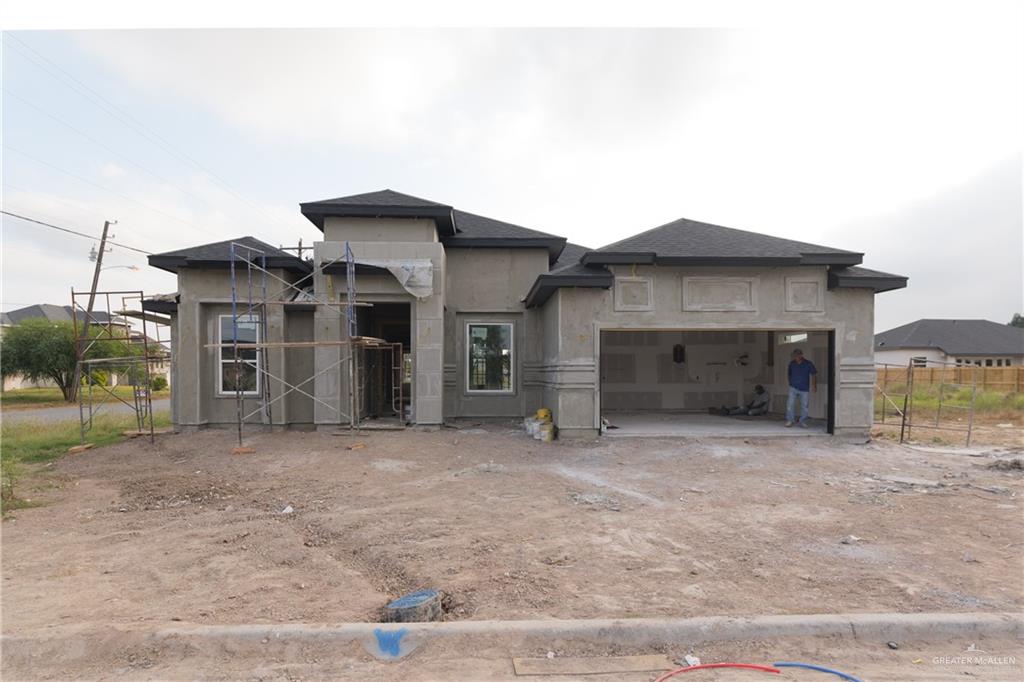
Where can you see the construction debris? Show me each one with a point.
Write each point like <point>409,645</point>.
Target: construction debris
<point>242,450</point>
<point>76,449</point>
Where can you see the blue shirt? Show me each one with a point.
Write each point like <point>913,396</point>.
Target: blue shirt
<point>800,374</point>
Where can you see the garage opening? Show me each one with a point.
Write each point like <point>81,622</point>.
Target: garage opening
<point>682,382</point>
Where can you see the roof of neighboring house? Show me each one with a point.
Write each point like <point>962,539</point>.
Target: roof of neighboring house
<point>955,337</point>
<point>218,255</point>
<point>56,313</point>
<point>478,231</point>
<point>385,203</point>
<point>5,320</point>
<point>690,242</point>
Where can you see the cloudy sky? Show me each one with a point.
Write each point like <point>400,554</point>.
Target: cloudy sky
<point>901,142</point>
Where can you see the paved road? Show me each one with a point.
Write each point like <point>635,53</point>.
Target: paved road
<point>70,412</point>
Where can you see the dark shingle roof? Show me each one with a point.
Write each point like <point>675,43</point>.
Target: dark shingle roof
<point>218,255</point>
<point>477,231</point>
<point>689,242</point>
<point>955,337</point>
<point>857,277</point>
<point>384,203</point>
<point>570,256</point>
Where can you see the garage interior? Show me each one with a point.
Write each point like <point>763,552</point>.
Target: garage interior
<point>660,382</point>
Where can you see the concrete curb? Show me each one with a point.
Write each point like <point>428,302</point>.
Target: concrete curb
<point>395,640</point>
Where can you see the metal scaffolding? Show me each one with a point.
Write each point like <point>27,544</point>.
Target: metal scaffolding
<point>108,348</point>
<point>250,275</point>
<point>953,400</point>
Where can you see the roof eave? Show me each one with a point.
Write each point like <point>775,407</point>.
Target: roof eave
<point>175,263</point>
<point>545,285</point>
<point>877,284</point>
<point>553,245</point>
<point>652,258</point>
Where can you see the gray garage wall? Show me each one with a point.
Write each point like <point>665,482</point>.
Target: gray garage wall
<point>764,300</point>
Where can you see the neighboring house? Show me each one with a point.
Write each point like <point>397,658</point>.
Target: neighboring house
<point>119,325</point>
<point>954,342</point>
<point>498,320</point>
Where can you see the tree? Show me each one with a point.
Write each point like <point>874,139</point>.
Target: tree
<point>1017,321</point>
<point>39,349</point>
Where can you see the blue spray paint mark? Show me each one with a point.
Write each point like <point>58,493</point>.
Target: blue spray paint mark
<point>390,643</point>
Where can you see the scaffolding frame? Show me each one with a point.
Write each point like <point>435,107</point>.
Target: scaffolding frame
<point>249,297</point>
<point>899,399</point>
<point>111,324</point>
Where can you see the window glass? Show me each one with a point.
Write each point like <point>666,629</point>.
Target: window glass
<point>243,374</point>
<point>489,357</point>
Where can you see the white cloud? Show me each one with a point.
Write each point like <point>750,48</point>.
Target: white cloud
<point>809,132</point>
<point>111,171</point>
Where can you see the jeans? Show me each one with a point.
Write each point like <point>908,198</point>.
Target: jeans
<point>805,399</point>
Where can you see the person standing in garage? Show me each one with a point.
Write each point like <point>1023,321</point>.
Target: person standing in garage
<point>803,379</point>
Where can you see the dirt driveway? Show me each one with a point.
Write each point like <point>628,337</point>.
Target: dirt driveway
<point>509,528</point>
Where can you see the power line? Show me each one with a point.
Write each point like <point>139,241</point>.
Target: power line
<point>128,119</point>
<point>106,189</point>
<point>104,146</point>
<point>74,232</point>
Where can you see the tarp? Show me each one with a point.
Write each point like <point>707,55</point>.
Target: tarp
<point>416,275</point>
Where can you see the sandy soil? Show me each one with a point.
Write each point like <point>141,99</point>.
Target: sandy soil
<point>147,535</point>
<point>509,528</point>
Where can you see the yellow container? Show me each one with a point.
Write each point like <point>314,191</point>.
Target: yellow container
<point>544,414</point>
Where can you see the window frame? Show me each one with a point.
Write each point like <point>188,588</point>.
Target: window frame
<point>221,359</point>
<point>919,361</point>
<point>467,357</point>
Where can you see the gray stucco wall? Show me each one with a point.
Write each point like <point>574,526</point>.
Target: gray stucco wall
<point>489,285</point>
<point>427,329</point>
<point>698,298</point>
<point>393,230</point>
<point>204,295</point>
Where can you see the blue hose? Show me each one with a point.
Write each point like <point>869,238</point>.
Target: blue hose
<point>819,668</point>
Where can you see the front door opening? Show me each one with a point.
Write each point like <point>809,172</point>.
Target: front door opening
<point>657,382</point>
<point>381,372</point>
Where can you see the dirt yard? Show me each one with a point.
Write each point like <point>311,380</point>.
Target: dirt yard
<point>509,528</point>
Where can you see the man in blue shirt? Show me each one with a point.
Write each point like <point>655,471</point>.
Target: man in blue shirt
<point>803,378</point>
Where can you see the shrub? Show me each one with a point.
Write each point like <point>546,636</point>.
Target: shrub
<point>158,383</point>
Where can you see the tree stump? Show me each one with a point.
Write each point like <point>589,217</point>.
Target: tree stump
<point>415,607</point>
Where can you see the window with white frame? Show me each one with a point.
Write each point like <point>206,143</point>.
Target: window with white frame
<point>489,357</point>
<point>919,361</point>
<point>244,373</point>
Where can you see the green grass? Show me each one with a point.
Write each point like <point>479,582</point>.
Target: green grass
<point>926,399</point>
<point>50,397</point>
<point>24,446</point>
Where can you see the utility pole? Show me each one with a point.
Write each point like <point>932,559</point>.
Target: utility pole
<point>83,335</point>
<point>96,272</point>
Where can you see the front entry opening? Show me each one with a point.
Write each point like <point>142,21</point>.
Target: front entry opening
<point>384,378</point>
<point>681,382</point>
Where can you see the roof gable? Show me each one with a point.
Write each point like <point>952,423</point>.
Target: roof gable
<point>384,203</point>
<point>955,337</point>
<point>690,242</point>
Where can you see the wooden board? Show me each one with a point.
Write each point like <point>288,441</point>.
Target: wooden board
<point>591,665</point>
